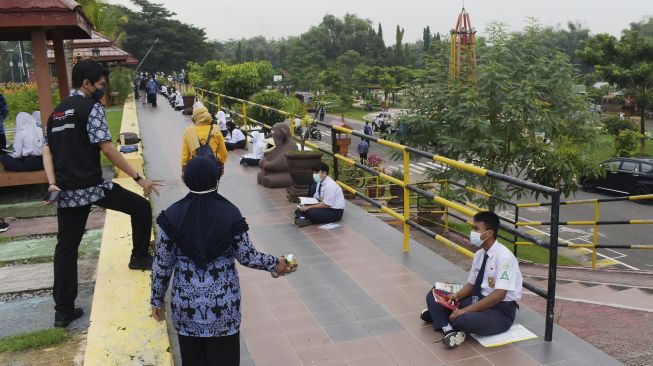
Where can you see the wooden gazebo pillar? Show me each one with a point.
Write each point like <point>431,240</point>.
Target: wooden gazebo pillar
<point>60,64</point>
<point>39,50</point>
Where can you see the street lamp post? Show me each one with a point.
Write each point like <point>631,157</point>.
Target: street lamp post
<point>11,66</point>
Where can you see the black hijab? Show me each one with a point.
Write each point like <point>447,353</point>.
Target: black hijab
<point>203,224</point>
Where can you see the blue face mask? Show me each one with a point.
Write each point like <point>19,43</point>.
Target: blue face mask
<point>316,178</point>
<point>97,94</point>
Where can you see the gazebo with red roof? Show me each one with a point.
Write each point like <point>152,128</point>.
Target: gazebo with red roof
<point>106,50</point>
<point>38,21</point>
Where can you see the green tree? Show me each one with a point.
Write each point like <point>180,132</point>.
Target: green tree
<point>270,98</point>
<point>626,62</point>
<point>522,118</point>
<point>178,43</point>
<point>399,51</point>
<point>426,39</point>
<point>243,80</point>
<point>644,27</point>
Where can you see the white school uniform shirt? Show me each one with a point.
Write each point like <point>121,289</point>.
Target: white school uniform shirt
<point>235,136</point>
<point>330,193</point>
<point>501,272</point>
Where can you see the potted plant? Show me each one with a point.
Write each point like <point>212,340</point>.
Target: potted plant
<point>189,99</point>
<point>427,208</point>
<point>396,190</point>
<point>351,176</point>
<point>375,190</point>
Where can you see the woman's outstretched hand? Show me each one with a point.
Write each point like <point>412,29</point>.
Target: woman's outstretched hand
<point>284,268</point>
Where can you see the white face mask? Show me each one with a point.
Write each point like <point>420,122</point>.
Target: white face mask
<point>475,238</point>
<point>207,191</point>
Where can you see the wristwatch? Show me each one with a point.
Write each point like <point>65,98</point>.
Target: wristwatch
<point>137,177</point>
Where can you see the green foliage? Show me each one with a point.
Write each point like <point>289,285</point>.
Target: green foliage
<point>178,42</point>
<point>294,106</point>
<point>625,62</point>
<point>23,98</point>
<point>522,118</point>
<point>114,120</point>
<point>38,339</point>
<point>614,125</point>
<point>270,98</point>
<point>627,143</point>
<point>121,81</point>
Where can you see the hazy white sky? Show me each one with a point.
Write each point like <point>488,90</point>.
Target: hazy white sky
<point>224,20</point>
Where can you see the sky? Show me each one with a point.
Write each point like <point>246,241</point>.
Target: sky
<point>224,20</point>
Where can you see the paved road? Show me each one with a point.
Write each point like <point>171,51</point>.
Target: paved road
<point>635,259</point>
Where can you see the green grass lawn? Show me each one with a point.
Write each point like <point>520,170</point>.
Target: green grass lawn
<point>604,148</point>
<point>529,253</point>
<point>351,113</point>
<point>114,119</point>
<point>38,339</point>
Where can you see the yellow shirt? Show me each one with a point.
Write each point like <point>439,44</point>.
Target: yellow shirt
<point>217,144</point>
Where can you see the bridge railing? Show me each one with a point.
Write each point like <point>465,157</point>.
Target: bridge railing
<point>408,188</point>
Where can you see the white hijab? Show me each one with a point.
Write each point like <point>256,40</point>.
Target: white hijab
<point>179,100</point>
<point>28,140</point>
<point>222,120</point>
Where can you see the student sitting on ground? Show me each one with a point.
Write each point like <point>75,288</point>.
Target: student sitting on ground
<point>488,301</point>
<point>331,201</point>
<point>259,145</point>
<point>222,123</point>
<point>179,101</point>
<point>235,138</point>
<point>28,146</point>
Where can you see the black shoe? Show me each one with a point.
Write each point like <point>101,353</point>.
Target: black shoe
<point>453,338</point>
<point>3,226</point>
<point>425,316</point>
<point>61,320</point>
<point>302,222</point>
<point>143,263</point>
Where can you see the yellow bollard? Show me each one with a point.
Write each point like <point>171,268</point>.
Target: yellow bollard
<point>245,124</point>
<point>595,239</point>
<point>446,209</point>
<point>219,103</point>
<point>406,201</point>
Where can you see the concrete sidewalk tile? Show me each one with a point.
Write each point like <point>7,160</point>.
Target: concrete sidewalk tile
<point>346,332</point>
<point>308,338</point>
<point>511,357</point>
<point>322,356</point>
<point>474,361</point>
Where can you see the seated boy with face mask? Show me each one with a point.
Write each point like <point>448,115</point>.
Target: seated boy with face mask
<point>331,203</point>
<point>488,301</point>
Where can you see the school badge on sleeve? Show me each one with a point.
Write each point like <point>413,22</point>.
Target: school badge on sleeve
<point>490,281</point>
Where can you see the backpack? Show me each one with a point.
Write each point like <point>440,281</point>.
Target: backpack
<point>205,149</point>
<point>367,129</point>
<point>363,147</point>
<point>130,138</point>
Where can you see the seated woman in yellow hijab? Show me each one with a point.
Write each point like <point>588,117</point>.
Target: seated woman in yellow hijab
<point>198,135</point>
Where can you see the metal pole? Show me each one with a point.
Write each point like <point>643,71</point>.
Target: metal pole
<point>11,66</point>
<point>334,149</point>
<point>553,266</point>
<point>148,52</point>
<point>406,201</point>
<point>514,243</point>
<point>595,238</point>
<point>21,60</point>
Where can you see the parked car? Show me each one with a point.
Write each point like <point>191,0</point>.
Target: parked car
<point>633,176</point>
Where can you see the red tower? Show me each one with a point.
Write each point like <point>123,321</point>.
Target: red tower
<point>462,57</point>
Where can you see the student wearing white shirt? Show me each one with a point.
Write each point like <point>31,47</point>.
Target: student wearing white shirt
<point>221,118</point>
<point>331,201</point>
<point>28,146</point>
<point>258,147</point>
<point>488,301</point>
<point>235,138</point>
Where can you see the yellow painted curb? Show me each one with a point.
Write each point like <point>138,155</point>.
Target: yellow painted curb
<point>122,331</point>
<point>129,123</point>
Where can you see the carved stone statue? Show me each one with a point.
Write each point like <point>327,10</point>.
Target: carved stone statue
<point>274,167</point>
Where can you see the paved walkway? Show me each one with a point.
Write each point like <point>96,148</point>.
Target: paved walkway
<point>356,297</point>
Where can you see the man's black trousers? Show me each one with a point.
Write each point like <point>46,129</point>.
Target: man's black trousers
<point>72,224</point>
